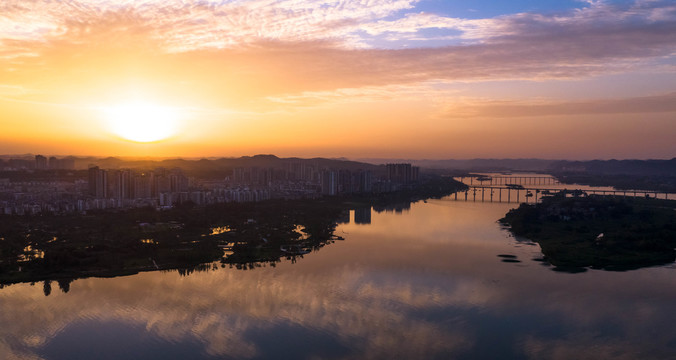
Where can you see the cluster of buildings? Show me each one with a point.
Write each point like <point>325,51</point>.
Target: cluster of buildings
<point>164,188</point>
<point>36,197</point>
<point>402,173</point>
<point>118,188</point>
<point>305,180</point>
<point>39,163</point>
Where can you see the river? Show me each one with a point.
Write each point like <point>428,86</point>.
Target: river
<point>424,282</point>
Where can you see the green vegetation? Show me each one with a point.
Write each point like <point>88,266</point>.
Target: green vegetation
<point>44,248</point>
<point>601,232</point>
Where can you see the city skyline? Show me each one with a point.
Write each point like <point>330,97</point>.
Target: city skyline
<point>398,79</point>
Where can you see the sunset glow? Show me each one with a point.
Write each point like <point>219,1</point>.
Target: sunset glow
<point>337,179</point>
<point>432,79</point>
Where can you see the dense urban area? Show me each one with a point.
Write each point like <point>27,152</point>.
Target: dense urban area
<point>60,185</point>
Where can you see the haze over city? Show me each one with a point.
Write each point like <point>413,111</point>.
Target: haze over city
<point>381,78</point>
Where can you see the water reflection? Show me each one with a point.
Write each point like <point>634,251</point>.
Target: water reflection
<point>362,216</point>
<point>398,207</point>
<point>420,284</point>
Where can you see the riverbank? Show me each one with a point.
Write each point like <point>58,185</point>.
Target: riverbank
<point>666,184</point>
<point>600,232</point>
<point>42,248</point>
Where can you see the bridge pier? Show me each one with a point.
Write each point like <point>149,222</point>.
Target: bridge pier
<point>535,192</point>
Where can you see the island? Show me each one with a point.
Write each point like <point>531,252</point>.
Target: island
<point>598,232</point>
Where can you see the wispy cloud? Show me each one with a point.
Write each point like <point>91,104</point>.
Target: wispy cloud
<point>291,47</point>
<point>506,109</point>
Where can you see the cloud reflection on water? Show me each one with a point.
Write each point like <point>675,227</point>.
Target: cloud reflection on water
<point>421,285</point>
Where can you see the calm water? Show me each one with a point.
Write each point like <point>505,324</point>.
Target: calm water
<point>421,284</point>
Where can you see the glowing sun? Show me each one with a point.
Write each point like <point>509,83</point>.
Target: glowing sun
<point>142,122</point>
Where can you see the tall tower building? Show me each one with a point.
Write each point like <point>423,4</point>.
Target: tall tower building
<point>98,182</point>
<point>329,182</point>
<point>365,181</point>
<point>142,186</point>
<point>40,162</point>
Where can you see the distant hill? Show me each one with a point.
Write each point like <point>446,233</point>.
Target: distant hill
<point>657,175</point>
<point>475,165</point>
<point>618,167</point>
<point>219,167</point>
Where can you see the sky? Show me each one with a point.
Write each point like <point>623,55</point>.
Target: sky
<point>428,79</point>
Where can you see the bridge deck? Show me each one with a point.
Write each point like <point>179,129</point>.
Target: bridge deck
<point>497,196</point>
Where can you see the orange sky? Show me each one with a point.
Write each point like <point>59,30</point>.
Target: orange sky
<point>338,78</point>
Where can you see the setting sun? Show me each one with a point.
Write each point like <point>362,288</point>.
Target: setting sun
<point>142,122</point>
<point>412,179</point>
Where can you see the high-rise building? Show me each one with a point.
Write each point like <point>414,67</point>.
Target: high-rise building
<point>21,164</point>
<point>177,181</point>
<point>142,186</point>
<point>40,162</point>
<point>119,184</point>
<point>126,184</point>
<point>55,163</point>
<point>402,173</point>
<point>365,181</point>
<point>345,181</point>
<point>98,182</point>
<point>329,182</point>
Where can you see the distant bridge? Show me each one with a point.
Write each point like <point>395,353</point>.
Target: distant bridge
<point>507,179</point>
<point>515,195</point>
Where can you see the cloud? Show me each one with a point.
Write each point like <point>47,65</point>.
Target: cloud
<point>222,308</point>
<point>185,26</point>
<point>504,109</point>
<point>284,48</point>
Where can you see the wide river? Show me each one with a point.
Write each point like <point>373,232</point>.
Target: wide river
<point>425,282</point>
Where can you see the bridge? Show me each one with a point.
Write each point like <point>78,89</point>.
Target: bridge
<point>508,179</point>
<point>514,195</point>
